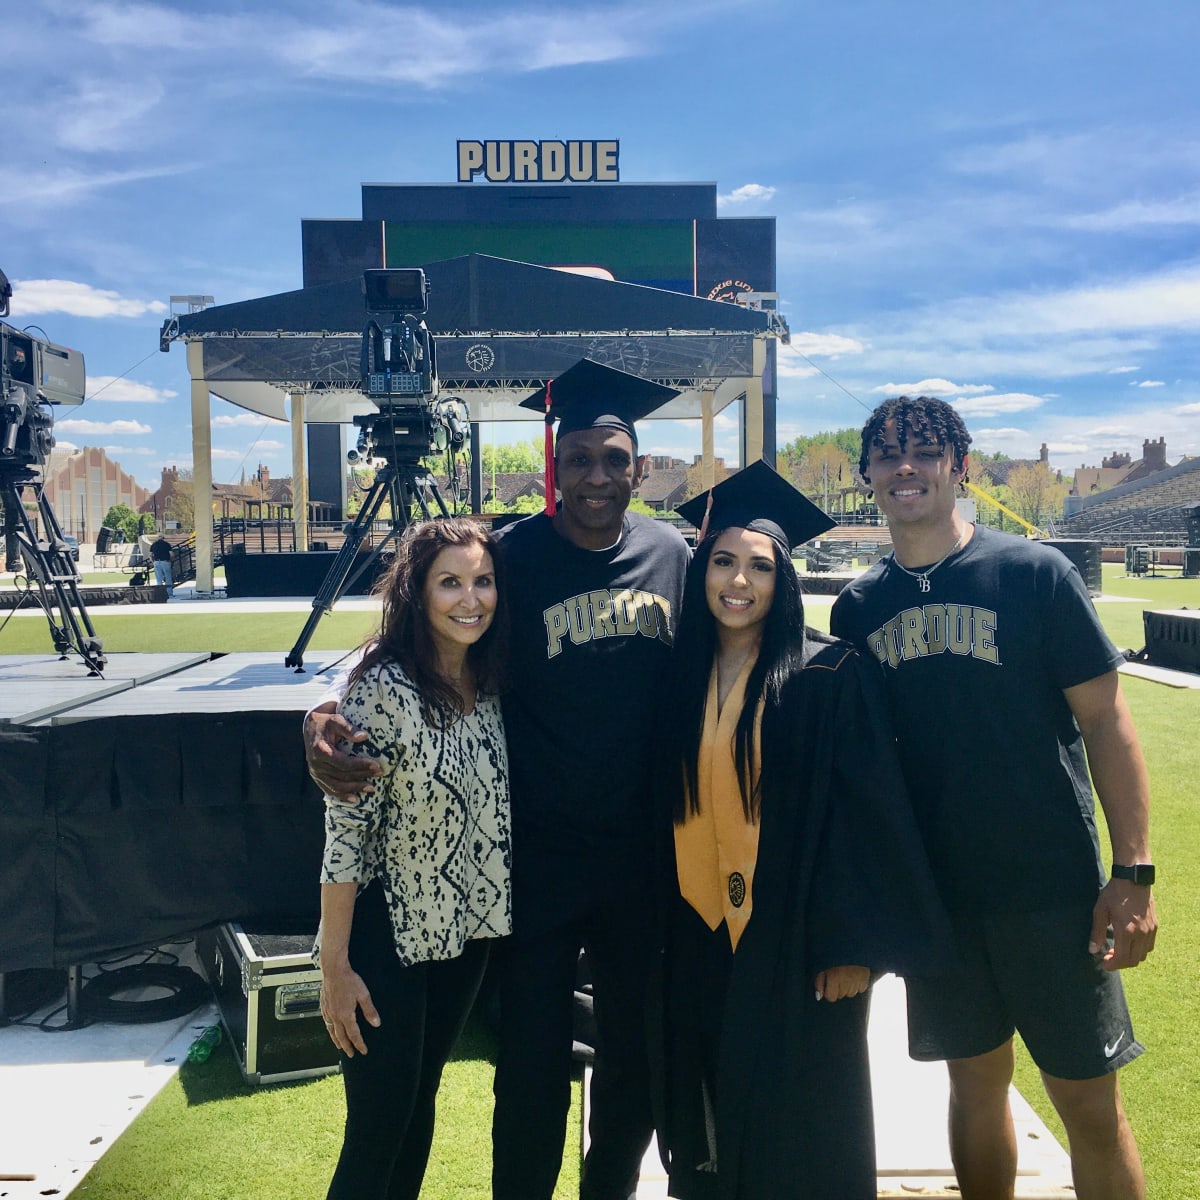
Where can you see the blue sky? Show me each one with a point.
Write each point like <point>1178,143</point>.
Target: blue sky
<point>994,202</point>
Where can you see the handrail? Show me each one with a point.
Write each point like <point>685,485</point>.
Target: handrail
<point>1030,529</point>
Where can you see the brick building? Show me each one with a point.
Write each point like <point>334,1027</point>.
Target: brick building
<point>82,485</point>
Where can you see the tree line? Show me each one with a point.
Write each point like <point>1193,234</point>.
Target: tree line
<point>822,465</point>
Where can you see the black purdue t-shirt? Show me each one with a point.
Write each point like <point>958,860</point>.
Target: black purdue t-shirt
<point>591,634</point>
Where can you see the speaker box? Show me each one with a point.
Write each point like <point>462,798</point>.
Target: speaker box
<point>1086,555</point>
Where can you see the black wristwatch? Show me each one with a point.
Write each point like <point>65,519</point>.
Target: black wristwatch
<point>1140,873</point>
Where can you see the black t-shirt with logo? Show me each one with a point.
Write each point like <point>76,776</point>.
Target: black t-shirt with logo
<point>975,670</point>
<point>591,634</point>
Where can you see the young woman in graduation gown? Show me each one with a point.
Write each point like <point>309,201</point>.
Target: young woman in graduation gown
<point>798,874</point>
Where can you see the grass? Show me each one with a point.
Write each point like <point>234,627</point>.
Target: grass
<point>154,628</point>
<point>142,629</point>
<point>207,1135</point>
<point>1160,1088</point>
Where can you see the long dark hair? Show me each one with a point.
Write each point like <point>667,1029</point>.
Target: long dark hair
<point>780,656</point>
<point>404,636</point>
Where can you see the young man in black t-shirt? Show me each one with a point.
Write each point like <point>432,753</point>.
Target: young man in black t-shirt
<point>1000,679</point>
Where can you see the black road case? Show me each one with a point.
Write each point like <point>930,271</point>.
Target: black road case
<point>269,994</point>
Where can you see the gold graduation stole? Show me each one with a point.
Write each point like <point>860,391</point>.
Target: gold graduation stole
<point>716,849</point>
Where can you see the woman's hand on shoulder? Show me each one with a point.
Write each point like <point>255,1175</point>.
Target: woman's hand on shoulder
<point>840,983</point>
<point>343,993</point>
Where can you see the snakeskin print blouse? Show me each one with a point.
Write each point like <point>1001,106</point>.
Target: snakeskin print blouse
<point>435,829</point>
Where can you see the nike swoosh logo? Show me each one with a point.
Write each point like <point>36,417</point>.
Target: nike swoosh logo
<point>1109,1051</point>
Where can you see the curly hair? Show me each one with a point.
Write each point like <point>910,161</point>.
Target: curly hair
<point>925,417</point>
<point>404,633</point>
<point>780,656</point>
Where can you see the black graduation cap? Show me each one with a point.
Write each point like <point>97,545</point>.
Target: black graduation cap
<point>758,498</point>
<point>590,395</point>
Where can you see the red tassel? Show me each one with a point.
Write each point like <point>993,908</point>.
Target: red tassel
<point>551,484</point>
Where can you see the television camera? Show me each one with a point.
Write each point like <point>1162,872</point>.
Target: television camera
<point>399,376</point>
<point>36,375</point>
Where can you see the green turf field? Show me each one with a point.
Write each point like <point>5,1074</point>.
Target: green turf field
<point>206,1135</point>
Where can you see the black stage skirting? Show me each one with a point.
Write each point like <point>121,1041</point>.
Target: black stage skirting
<point>93,596</point>
<point>127,831</point>
<point>299,574</point>
<point>1173,639</point>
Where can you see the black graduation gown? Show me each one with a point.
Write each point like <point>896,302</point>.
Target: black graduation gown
<point>841,879</point>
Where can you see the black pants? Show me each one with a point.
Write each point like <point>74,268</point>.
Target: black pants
<point>533,1069</point>
<point>699,963</point>
<point>391,1091</point>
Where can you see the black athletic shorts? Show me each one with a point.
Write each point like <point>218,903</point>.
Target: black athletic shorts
<point>1029,972</point>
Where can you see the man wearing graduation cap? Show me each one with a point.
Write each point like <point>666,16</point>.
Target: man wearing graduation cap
<point>797,872</point>
<point>592,600</point>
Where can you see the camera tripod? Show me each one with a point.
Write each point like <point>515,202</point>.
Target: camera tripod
<point>49,565</point>
<point>401,484</point>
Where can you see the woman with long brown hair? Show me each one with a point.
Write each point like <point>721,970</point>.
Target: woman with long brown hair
<point>415,878</point>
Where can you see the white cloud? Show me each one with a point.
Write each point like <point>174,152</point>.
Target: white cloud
<point>112,389</point>
<point>348,33</point>
<point>822,345</point>
<point>1120,370</point>
<point>76,299</point>
<point>225,420</point>
<point>80,425</point>
<point>748,193</point>
<point>1163,299</point>
<point>1044,335</point>
<point>115,451</point>
<point>218,452</point>
<point>990,406</point>
<point>67,183</point>
<point>101,110</point>
<point>1148,383</point>
<point>1187,410</point>
<point>352,33</point>
<point>934,387</point>
<point>1108,431</point>
<point>1068,447</point>
<point>792,366</point>
<point>1038,152</point>
<point>1138,214</point>
<point>1005,432</point>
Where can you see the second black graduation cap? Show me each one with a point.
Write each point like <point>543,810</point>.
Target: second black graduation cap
<point>590,395</point>
<point>758,493</point>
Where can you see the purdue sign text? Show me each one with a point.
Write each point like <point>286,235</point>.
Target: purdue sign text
<point>539,162</point>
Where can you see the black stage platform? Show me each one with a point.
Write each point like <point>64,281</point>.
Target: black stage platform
<point>292,574</point>
<point>1173,638</point>
<point>169,795</point>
